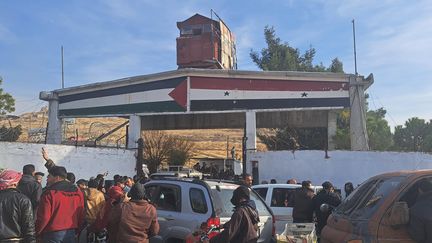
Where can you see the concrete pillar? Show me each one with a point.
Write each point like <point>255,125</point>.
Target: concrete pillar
<point>134,131</point>
<point>331,128</point>
<point>54,130</point>
<point>251,138</point>
<point>358,132</point>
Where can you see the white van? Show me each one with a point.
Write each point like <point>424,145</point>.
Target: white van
<point>276,197</point>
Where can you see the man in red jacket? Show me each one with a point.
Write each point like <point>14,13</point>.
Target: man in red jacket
<point>61,209</point>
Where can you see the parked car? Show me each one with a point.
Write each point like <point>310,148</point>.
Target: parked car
<point>377,211</point>
<point>277,197</point>
<point>176,172</point>
<point>183,204</point>
<point>167,174</point>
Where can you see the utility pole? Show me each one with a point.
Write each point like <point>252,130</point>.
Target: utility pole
<point>62,67</point>
<point>355,51</point>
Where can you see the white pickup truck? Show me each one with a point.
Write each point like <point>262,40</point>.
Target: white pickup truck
<point>276,197</point>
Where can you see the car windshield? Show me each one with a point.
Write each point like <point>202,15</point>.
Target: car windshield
<point>366,199</point>
<point>224,207</point>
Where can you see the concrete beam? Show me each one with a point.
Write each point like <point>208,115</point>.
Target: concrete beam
<point>54,131</point>
<point>331,129</point>
<point>358,132</point>
<point>134,131</point>
<point>270,119</point>
<point>251,138</point>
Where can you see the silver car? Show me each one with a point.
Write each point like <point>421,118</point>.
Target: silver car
<point>184,204</point>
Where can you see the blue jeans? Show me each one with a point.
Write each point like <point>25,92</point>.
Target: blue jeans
<point>63,236</point>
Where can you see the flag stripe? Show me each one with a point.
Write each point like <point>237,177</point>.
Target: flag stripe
<point>159,84</point>
<point>219,105</point>
<point>122,99</point>
<point>203,94</point>
<point>164,106</point>
<point>265,85</point>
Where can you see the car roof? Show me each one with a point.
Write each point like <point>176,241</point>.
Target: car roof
<point>276,185</point>
<point>415,173</point>
<point>210,182</point>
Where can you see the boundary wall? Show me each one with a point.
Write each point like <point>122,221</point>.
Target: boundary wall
<point>84,162</point>
<point>341,167</point>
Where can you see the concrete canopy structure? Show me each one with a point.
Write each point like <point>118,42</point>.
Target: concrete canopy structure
<point>213,98</point>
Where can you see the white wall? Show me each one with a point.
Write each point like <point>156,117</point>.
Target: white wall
<point>82,161</point>
<point>341,167</point>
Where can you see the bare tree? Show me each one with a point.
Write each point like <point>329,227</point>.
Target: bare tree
<point>181,152</point>
<point>161,147</point>
<point>157,147</point>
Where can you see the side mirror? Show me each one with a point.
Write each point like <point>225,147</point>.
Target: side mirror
<point>399,214</point>
<point>325,208</point>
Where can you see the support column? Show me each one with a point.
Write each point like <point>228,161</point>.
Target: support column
<point>54,130</point>
<point>331,129</point>
<point>358,132</point>
<point>134,131</point>
<point>251,138</point>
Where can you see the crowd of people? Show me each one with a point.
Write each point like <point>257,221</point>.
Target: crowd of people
<point>212,171</point>
<point>101,210</point>
<point>305,203</point>
<point>97,210</point>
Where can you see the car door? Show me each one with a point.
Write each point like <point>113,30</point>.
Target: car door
<point>167,198</point>
<point>177,216</point>
<point>387,233</point>
<point>282,212</point>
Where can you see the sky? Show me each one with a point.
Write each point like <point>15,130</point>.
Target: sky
<point>105,40</point>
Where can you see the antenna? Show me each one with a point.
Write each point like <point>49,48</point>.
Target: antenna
<point>62,67</point>
<point>355,52</point>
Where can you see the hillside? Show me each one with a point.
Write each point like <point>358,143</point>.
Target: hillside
<point>208,143</point>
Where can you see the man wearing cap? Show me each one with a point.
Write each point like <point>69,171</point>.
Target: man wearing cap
<point>16,212</point>
<point>128,226</point>
<point>243,225</point>
<point>61,209</point>
<point>328,196</point>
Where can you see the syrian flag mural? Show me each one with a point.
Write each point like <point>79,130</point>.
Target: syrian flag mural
<point>198,94</point>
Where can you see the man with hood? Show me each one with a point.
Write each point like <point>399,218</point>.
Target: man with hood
<point>16,213</point>
<point>349,187</point>
<point>327,196</point>
<point>302,203</point>
<point>126,225</point>
<point>61,212</point>
<point>95,201</point>
<point>243,225</point>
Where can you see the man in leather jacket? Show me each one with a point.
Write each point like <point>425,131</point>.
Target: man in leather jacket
<point>17,223</point>
<point>29,186</point>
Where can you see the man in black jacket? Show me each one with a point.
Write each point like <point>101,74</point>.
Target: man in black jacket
<point>420,217</point>
<point>243,225</point>
<point>302,203</point>
<point>29,186</point>
<point>328,196</point>
<point>17,223</point>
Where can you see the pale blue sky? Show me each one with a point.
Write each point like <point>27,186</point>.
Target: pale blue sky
<point>110,39</point>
